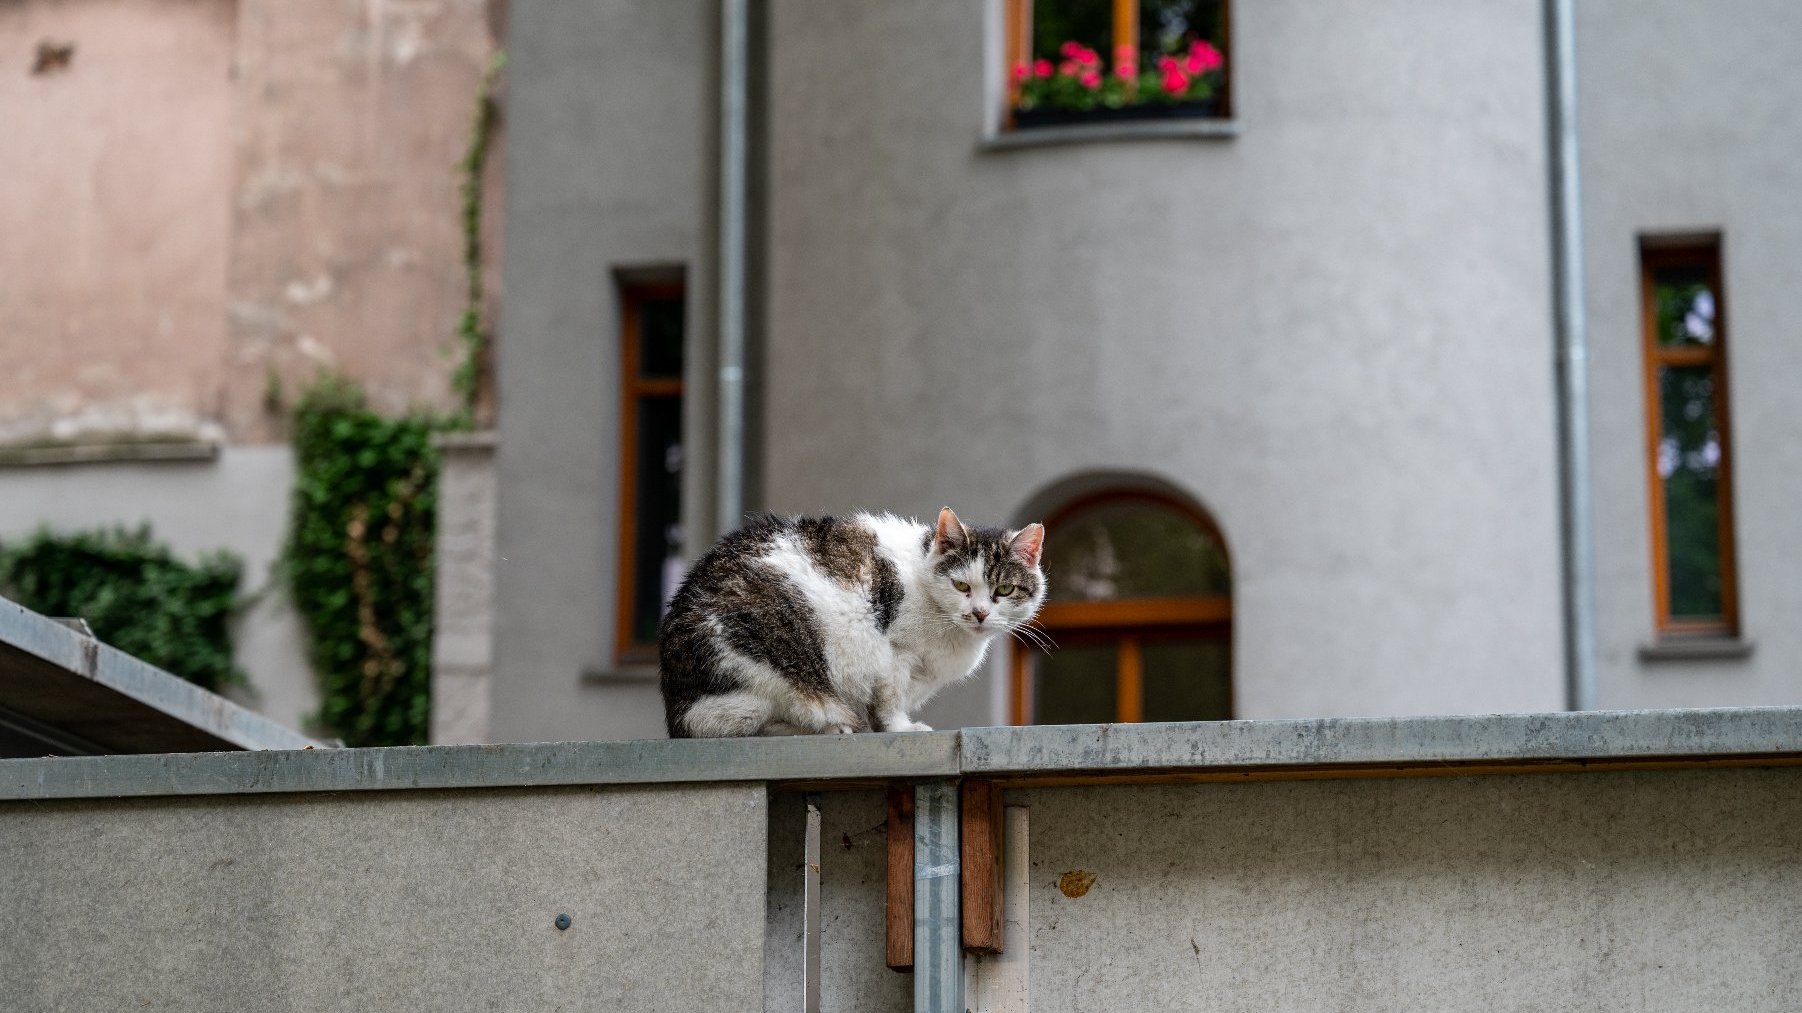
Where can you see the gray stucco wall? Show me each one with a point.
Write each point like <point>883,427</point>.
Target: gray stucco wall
<point>1690,123</point>
<point>238,502</point>
<point>1333,330</point>
<point>610,126</point>
<point>387,901</point>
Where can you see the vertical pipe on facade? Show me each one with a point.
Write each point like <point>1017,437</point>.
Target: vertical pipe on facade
<point>1575,500</point>
<point>734,78</point>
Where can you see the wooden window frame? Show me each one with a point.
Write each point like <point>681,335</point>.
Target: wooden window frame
<point>1016,23</point>
<point>1127,622</point>
<point>634,389</point>
<point>1703,253</point>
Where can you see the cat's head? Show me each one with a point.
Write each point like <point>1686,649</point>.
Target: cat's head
<point>986,579</point>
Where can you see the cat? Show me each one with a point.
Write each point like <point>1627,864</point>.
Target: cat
<point>835,625</point>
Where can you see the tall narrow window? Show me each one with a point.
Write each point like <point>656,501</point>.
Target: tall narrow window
<point>1688,454</point>
<point>1140,608</point>
<point>650,533</point>
<point>1081,61</point>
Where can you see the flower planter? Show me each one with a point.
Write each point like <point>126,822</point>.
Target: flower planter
<point>1027,119</point>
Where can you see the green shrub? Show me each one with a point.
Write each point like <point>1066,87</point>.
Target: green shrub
<point>135,595</point>
<point>359,562</point>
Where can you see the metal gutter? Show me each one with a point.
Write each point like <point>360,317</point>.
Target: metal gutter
<point>1371,747</point>
<point>1576,508</point>
<point>733,215</point>
<point>69,692</point>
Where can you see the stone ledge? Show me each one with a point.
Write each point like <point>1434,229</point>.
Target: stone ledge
<point>1101,133</point>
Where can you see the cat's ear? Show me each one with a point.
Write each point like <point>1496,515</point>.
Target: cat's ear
<point>1028,543</point>
<point>951,533</point>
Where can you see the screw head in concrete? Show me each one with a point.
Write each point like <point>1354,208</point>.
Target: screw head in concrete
<point>562,922</point>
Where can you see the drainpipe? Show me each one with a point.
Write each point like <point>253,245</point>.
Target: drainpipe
<point>730,477</point>
<point>1576,508</point>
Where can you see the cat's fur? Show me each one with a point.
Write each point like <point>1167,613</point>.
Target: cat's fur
<point>826,624</point>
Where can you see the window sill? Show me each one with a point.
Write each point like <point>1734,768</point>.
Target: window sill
<point>108,453</point>
<point>1093,133</point>
<point>625,673</point>
<point>1696,649</point>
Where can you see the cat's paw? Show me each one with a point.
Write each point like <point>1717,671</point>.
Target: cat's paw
<point>838,730</point>
<point>914,726</point>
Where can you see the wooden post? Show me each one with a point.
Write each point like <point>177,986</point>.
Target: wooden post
<point>981,832</point>
<point>901,878</point>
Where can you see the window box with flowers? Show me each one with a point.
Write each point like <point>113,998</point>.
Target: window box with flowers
<point>1095,69</point>
<point>1078,90</point>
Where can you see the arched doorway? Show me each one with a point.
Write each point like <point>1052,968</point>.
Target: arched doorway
<point>1140,608</point>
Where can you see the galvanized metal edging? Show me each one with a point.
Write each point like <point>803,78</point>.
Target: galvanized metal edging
<point>1048,751</point>
<point>85,657</point>
<point>653,761</point>
<point>1490,739</point>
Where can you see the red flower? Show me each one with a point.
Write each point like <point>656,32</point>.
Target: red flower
<point>1091,79</point>
<point>1069,49</point>
<point>1041,68</point>
<point>1203,57</point>
<point>1021,72</point>
<point>1175,82</point>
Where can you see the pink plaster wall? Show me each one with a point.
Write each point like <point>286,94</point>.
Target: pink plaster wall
<point>215,193</point>
<point>113,230</point>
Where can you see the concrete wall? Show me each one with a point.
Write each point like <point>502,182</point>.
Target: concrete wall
<point>238,502</point>
<point>463,590</point>
<point>1627,891</point>
<point>1690,123</point>
<point>1332,330</point>
<point>388,901</point>
<point>1653,891</point>
<point>610,134</point>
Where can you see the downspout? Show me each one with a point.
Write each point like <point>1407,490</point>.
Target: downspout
<point>730,476</point>
<point>1576,506</point>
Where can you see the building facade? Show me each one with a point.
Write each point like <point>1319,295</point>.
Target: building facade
<point>1313,327</point>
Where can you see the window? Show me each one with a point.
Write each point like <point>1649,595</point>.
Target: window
<point>650,533</point>
<point>1689,452</point>
<point>1141,611</point>
<point>1082,61</point>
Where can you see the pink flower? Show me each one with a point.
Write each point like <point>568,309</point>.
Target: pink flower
<point>1089,56</point>
<point>1069,49</point>
<point>1091,79</point>
<point>1204,57</point>
<point>1041,68</point>
<point>1068,68</point>
<point>1021,72</point>
<point>1175,82</point>
<point>1168,64</point>
<point>1126,72</point>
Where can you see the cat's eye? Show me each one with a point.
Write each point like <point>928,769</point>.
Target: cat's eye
<point>1003,590</point>
<point>962,587</point>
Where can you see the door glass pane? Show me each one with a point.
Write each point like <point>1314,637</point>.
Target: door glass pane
<point>1074,686</point>
<point>1689,458</point>
<point>659,533</point>
<point>1130,548</point>
<point>1188,680</point>
<point>660,337</point>
<point>1685,306</point>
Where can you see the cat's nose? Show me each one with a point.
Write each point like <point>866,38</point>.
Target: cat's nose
<point>980,614</point>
